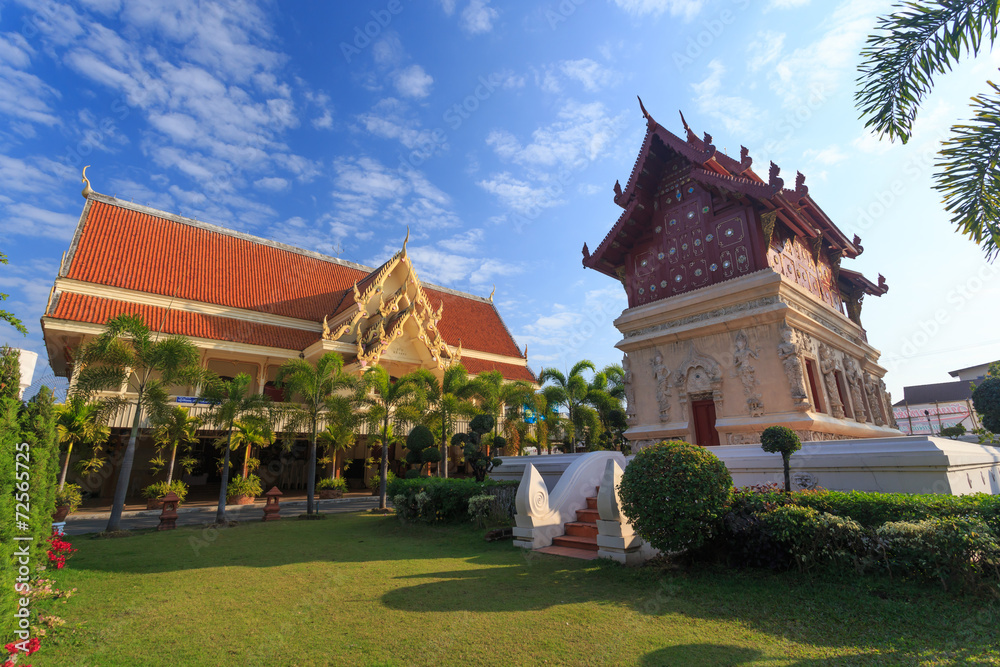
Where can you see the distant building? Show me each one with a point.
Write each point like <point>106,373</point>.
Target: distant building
<point>927,408</point>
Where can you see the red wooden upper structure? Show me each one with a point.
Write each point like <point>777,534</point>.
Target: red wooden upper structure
<point>693,216</point>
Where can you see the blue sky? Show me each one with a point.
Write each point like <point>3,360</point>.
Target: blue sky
<point>495,131</point>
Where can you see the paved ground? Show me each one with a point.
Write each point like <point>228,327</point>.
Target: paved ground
<point>84,521</point>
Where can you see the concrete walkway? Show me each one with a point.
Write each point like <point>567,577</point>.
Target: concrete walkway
<point>84,521</point>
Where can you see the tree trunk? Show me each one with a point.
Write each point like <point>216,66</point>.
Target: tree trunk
<point>170,470</point>
<point>384,468</point>
<point>62,478</point>
<point>571,431</point>
<point>788,481</point>
<point>443,472</point>
<point>124,473</point>
<point>220,514</point>
<point>311,475</point>
<point>246,460</point>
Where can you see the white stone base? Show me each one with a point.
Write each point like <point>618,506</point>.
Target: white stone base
<point>909,464</point>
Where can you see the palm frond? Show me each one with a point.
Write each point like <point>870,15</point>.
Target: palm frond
<point>969,179</point>
<point>911,46</point>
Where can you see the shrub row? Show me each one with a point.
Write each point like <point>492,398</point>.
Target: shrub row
<point>957,551</point>
<point>433,499</point>
<point>872,509</point>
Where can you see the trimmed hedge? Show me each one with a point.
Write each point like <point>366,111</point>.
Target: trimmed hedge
<point>872,509</point>
<point>434,499</point>
<point>952,540</point>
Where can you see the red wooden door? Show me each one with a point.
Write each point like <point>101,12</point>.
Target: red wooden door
<point>704,423</point>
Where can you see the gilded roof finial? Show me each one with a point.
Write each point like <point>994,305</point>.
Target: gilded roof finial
<point>87,190</point>
<point>407,238</point>
<point>493,292</point>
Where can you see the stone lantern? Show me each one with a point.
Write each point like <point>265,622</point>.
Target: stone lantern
<point>272,509</point>
<point>168,516</point>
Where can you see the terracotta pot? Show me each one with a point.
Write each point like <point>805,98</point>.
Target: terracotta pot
<point>327,494</point>
<point>60,514</point>
<point>154,503</point>
<point>240,500</point>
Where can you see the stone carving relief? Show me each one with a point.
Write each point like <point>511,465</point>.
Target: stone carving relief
<point>662,376</point>
<point>788,352</point>
<point>629,391</point>
<point>700,375</point>
<point>718,312</point>
<point>828,367</point>
<point>871,388</point>
<point>888,403</point>
<point>805,480</point>
<point>745,371</point>
<point>856,383</point>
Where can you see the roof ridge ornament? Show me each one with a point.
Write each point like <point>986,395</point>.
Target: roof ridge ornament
<point>801,189</point>
<point>773,179</point>
<point>87,190</point>
<point>406,240</point>
<point>645,114</point>
<point>493,292</point>
<point>745,160</point>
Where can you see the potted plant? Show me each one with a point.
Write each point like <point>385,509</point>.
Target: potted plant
<point>243,490</point>
<point>154,493</point>
<point>331,487</point>
<point>68,499</point>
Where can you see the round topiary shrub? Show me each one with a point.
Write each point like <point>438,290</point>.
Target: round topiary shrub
<point>781,440</point>
<point>986,401</point>
<point>675,495</point>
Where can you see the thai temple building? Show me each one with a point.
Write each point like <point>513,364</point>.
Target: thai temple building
<point>249,304</point>
<point>741,315</point>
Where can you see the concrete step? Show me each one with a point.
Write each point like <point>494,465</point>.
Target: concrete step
<point>588,516</point>
<point>592,503</point>
<point>581,529</point>
<point>574,542</point>
<point>568,552</point>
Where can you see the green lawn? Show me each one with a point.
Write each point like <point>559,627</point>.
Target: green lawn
<point>365,590</point>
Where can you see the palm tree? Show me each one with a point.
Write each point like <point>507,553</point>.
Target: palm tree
<point>495,395</point>
<point>606,392</point>
<point>129,355</point>
<point>78,422</point>
<point>448,400</point>
<point>315,386</point>
<point>569,390</point>
<point>402,400</point>
<point>250,432</point>
<point>920,40</point>
<point>175,429</point>
<point>229,402</point>
<point>340,432</point>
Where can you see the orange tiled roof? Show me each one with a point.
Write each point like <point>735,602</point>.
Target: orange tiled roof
<point>137,250</point>
<point>509,371</point>
<point>96,310</point>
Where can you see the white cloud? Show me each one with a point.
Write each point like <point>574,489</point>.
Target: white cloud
<point>830,155</point>
<point>592,75</point>
<point>367,192</point>
<point>787,4</point>
<point>557,336</point>
<point>519,196</point>
<point>764,49</point>
<point>582,133</point>
<point>830,58</point>
<point>413,81</point>
<point>478,17</point>
<point>737,114</point>
<point>454,262</point>
<point>30,220</point>
<point>272,183</point>
<point>687,9</point>
<point>34,174</point>
<point>448,6</point>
